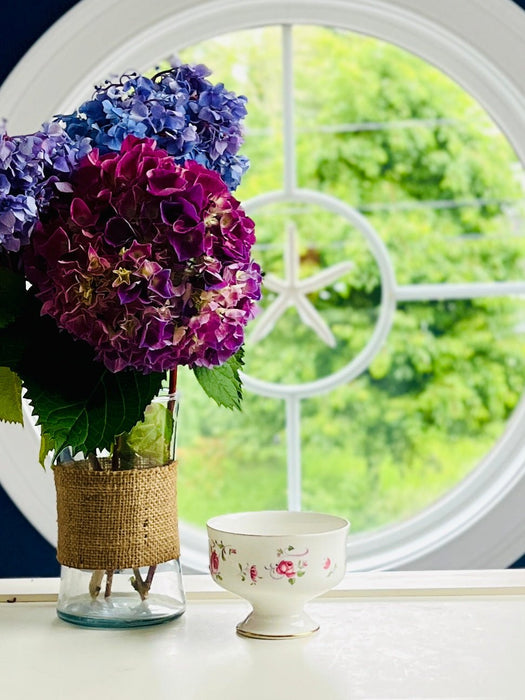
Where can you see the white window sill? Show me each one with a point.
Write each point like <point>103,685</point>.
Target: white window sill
<point>383,635</point>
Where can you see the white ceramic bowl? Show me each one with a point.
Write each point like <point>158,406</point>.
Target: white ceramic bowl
<point>278,561</point>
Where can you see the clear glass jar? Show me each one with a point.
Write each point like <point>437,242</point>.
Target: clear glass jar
<point>124,606</point>
<point>118,529</point>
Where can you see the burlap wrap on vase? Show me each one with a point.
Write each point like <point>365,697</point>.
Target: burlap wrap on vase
<point>116,519</point>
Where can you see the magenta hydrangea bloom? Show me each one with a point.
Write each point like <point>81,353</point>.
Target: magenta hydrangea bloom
<point>147,261</point>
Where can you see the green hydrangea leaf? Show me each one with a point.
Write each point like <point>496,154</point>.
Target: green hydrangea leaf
<point>77,402</point>
<point>12,296</point>
<point>15,338</point>
<point>152,437</point>
<point>97,416</point>
<point>10,396</point>
<point>47,445</point>
<point>223,384</point>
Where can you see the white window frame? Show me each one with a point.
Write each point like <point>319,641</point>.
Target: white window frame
<point>478,524</point>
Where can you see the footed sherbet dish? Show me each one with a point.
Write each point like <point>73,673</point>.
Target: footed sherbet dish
<point>277,561</point>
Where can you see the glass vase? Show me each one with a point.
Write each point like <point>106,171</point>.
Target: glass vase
<point>124,606</point>
<point>118,529</point>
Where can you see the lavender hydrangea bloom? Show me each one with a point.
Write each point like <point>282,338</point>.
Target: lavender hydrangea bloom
<point>187,115</point>
<point>29,165</point>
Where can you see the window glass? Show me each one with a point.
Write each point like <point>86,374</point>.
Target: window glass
<point>431,406</point>
<point>403,143</point>
<point>382,131</point>
<point>249,63</point>
<point>229,461</point>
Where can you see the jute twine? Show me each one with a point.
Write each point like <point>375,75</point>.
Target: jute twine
<point>116,519</point>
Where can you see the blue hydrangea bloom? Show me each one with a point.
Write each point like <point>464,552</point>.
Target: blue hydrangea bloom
<point>29,165</point>
<point>187,115</point>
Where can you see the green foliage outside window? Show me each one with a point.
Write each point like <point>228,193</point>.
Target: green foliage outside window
<point>392,136</point>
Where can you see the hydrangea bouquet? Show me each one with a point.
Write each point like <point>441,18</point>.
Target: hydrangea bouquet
<point>123,254</point>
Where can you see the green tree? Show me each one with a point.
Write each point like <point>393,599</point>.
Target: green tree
<point>392,136</point>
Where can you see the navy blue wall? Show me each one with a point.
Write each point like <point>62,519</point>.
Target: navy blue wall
<point>25,552</point>
<point>23,24</point>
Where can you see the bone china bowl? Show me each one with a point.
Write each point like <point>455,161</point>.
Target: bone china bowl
<point>277,561</point>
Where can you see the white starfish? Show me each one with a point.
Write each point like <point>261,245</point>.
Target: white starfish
<point>292,292</point>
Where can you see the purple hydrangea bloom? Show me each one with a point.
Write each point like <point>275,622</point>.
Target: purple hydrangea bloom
<point>147,261</point>
<point>29,165</point>
<point>186,114</point>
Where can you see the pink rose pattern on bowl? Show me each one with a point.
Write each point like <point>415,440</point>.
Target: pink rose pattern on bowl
<point>289,565</point>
